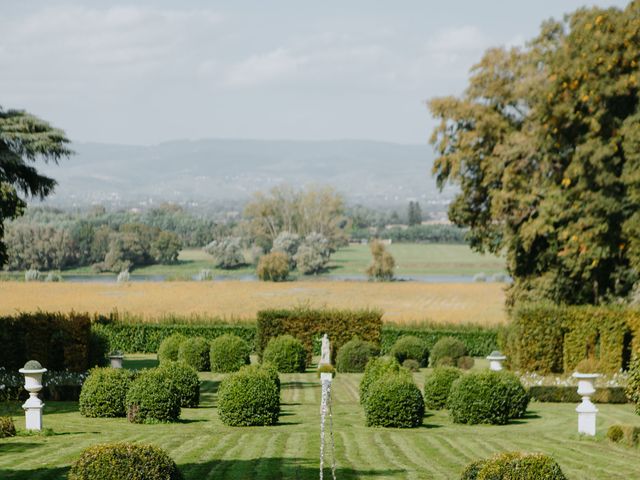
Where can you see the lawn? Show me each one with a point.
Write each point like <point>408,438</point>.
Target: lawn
<point>204,448</point>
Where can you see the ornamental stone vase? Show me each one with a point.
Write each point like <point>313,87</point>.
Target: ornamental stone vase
<point>33,407</point>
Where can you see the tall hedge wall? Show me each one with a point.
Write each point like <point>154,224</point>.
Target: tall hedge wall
<point>553,339</point>
<point>479,341</point>
<point>307,325</point>
<point>58,341</point>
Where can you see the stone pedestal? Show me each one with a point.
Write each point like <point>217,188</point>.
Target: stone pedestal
<point>586,410</point>
<point>116,361</point>
<point>32,372</point>
<point>495,360</point>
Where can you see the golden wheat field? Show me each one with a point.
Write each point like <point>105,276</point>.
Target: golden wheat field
<point>401,302</point>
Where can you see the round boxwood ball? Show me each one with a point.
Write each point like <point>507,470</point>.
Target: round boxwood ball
<point>519,397</point>
<point>153,397</point>
<point>529,466</point>
<point>376,369</point>
<point>437,386</point>
<point>195,353</point>
<point>168,350</point>
<point>185,379</point>
<point>480,398</point>
<point>447,351</point>
<point>286,353</point>
<point>104,392</point>
<point>394,401</point>
<point>228,353</point>
<point>272,371</point>
<point>249,397</point>
<point>354,355</point>
<point>116,461</point>
<point>410,347</point>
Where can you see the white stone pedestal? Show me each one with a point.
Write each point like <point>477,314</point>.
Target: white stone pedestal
<point>32,372</point>
<point>116,361</point>
<point>586,410</point>
<point>495,360</point>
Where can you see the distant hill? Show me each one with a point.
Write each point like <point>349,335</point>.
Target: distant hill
<point>206,171</point>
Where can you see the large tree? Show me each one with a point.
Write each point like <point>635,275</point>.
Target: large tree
<point>545,145</point>
<point>24,139</point>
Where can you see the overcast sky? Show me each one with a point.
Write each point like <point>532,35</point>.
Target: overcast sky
<point>143,72</point>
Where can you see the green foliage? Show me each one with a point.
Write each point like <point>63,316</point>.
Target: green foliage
<point>518,396</point>
<point>287,243</point>
<point>394,401</point>
<point>98,349</point>
<point>376,369</point>
<point>381,269</point>
<point>7,427</point>
<point>186,381</point>
<point>410,347</point>
<point>633,384</point>
<point>308,325</point>
<point>166,248</point>
<point>272,371</point>
<point>104,392</point>
<point>195,353</point>
<point>568,394</point>
<point>325,368</point>
<point>414,214</point>
<point>313,254</point>
<point>249,397</point>
<point>547,162</point>
<point>228,353</point>
<point>354,355</point>
<point>169,347</point>
<point>447,351</point>
<point>411,365</point>
<point>286,353</point>
<point>437,386</point>
<point>466,362</point>
<point>226,252</point>
<point>273,267</point>
<point>153,397</point>
<point>627,434</point>
<point>116,461</point>
<point>615,433</point>
<point>481,398</point>
<point>514,465</point>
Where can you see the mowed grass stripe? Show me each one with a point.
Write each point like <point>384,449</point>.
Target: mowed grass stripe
<point>425,464</point>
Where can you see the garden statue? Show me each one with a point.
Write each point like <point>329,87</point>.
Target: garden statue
<point>32,372</point>
<point>325,352</point>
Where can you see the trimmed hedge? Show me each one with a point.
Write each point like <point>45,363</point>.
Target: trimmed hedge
<point>308,325</point>
<point>116,461</point>
<point>514,465</point>
<point>354,355</point>
<point>249,397</point>
<point>633,384</point>
<point>58,341</point>
<point>153,397</point>
<point>186,381</point>
<point>394,401</point>
<point>437,386</point>
<point>518,396</point>
<point>195,353</point>
<point>229,353</point>
<point>286,353</point>
<point>565,394</point>
<point>376,369</point>
<point>169,348</point>
<point>7,427</point>
<point>447,351</point>
<point>627,434</point>
<point>410,347</point>
<point>104,392</point>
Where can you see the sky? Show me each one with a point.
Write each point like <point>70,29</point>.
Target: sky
<point>145,72</point>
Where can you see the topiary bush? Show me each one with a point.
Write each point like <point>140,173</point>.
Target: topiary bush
<point>376,369</point>
<point>354,355</point>
<point>116,461</point>
<point>411,365</point>
<point>7,427</point>
<point>482,397</point>
<point>466,362</point>
<point>228,353</point>
<point>169,347</point>
<point>272,371</point>
<point>195,353</point>
<point>273,267</point>
<point>519,397</point>
<point>153,397</point>
<point>628,434</point>
<point>104,392</point>
<point>286,353</point>
<point>249,397</point>
<point>615,433</point>
<point>437,386</point>
<point>514,465</point>
<point>633,383</point>
<point>447,351</point>
<point>186,381</point>
<point>394,401</point>
<point>410,347</point>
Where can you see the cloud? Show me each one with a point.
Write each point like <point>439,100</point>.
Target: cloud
<point>265,68</point>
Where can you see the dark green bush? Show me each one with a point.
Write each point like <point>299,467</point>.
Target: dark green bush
<point>437,386</point>
<point>394,401</point>
<point>249,397</point>
<point>628,434</point>
<point>7,427</point>
<point>98,349</point>
<point>169,347</point>
<point>272,370</point>
<point>633,384</point>
<point>516,466</point>
<point>286,353</point>
<point>195,353</point>
<point>447,351</point>
<point>411,365</point>
<point>228,353</point>
<point>410,347</point>
<point>615,433</point>
<point>480,398</point>
<point>186,381</point>
<point>354,355</point>
<point>376,369</point>
<point>519,397</point>
<point>104,392</point>
<point>153,397</point>
<point>118,461</point>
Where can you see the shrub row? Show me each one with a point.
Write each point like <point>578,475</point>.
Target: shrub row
<point>566,394</point>
<point>226,353</point>
<point>354,355</point>
<point>547,338</point>
<point>627,434</point>
<point>514,465</point>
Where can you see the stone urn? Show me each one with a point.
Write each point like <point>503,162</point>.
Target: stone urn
<point>495,360</point>
<point>116,359</point>
<point>32,372</point>
<point>586,410</point>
